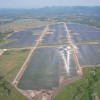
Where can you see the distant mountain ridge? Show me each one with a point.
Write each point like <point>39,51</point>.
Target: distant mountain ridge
<point>51,11</point>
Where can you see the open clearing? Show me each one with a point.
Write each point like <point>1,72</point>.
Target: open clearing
<point>11,62</point>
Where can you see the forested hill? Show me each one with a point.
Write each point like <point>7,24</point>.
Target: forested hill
<point>50,11</point>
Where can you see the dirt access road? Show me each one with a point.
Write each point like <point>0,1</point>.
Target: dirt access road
<point>78,67</point>
<point>18,76</point>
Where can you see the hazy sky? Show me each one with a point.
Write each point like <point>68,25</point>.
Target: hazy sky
<point>42,3</point>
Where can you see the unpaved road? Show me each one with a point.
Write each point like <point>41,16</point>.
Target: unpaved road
<point>39,46</point>
<point>17,78</point>
<point>79,71</point>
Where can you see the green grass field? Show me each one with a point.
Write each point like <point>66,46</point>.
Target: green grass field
<point>41,45</point>
<point>13,93</point>
<point>90,41</point>
<point>37,32</point>
<point>10,47</point>
<point>63,38</point>
<point>11,62</point>
<point>57,44</point>
<point>97,89</point>
<point>83,89</point>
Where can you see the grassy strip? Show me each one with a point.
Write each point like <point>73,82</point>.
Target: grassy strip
<point>10,47</point>
<point>90,41</point>
<point>63,38</point>
<point>11,62</point>
<point>36,32</point>
<point>8,92</point>
<point>59,44</point>
<point>11,40</point>
<point>83,89</point>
